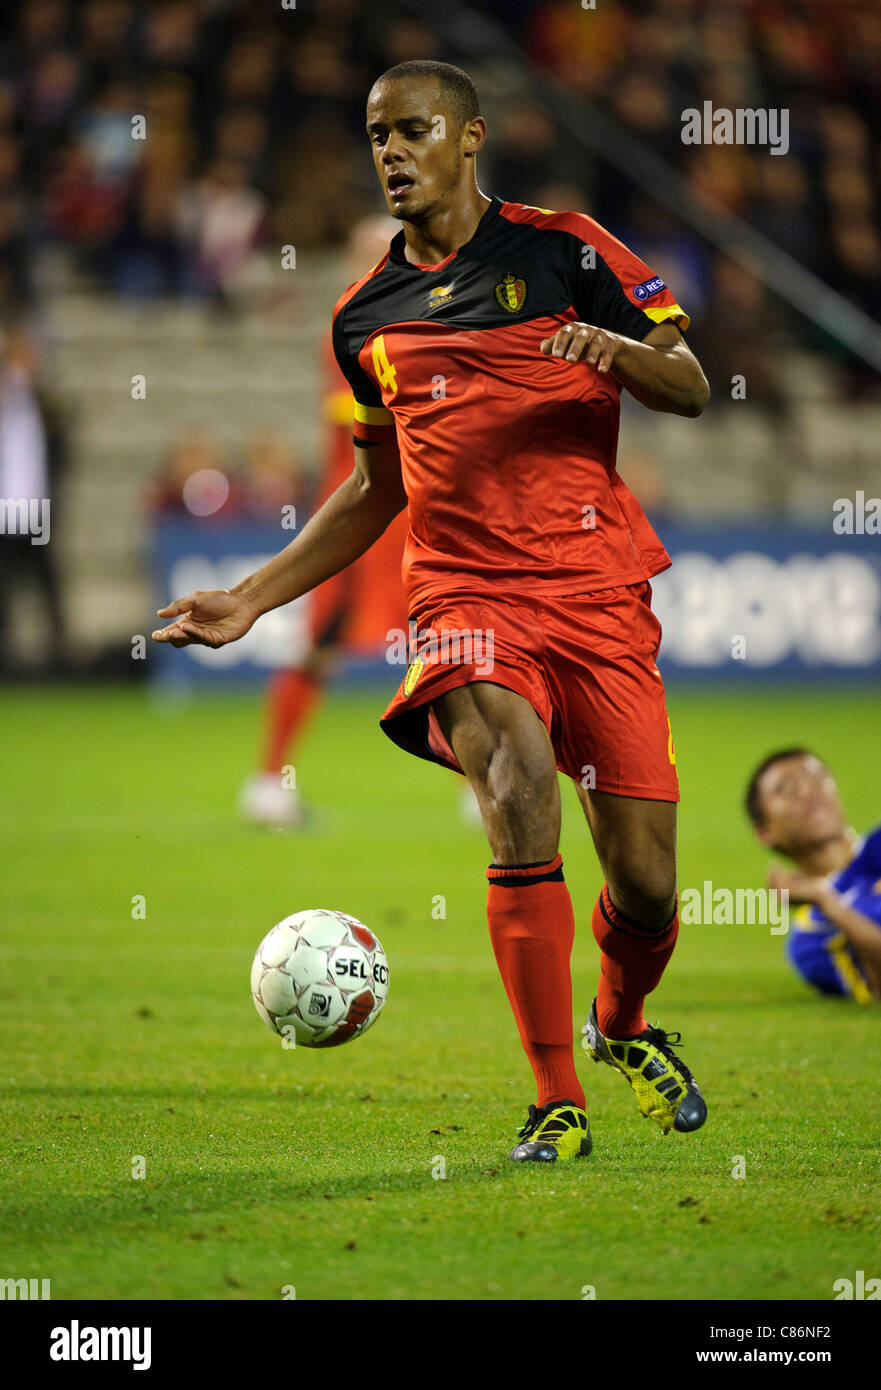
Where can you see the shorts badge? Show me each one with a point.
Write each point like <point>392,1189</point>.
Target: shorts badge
<point>414,671</point>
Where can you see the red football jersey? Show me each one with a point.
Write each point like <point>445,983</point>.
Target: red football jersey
<point>508,457</point>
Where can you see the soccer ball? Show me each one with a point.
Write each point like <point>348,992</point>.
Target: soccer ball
<point>320,978</point>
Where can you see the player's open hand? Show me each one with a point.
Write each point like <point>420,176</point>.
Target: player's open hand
<point>580,342</point>
<point>801,887</point>
<point>207,618</point>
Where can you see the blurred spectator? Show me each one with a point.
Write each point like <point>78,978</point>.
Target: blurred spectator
<point>249,73</point>
<point>784,211</point>
<point>643,102</point>
<point>219,222</point>
<point>48,98</point>
<point>106,35</point>
<point>149,255</point>
<point>255,128</point>
<point>242,135</point>
<point>81,208</point>
<point>857,274</point>
<point>324,84</point>
<point>526,153</point>
<point>274,477</point>
<point>43,23</point>
<point>583,48</point>
<point>412,38</point>
<point>196,479</point>
<point>170,36</point>
<point>32,441</point>
<point>750,346</point>
<point>104,132</point>
<point>324,184</point>
<point>858,249</point>
<point>721,175</point>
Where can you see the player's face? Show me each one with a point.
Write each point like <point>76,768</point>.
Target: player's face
<point>419,151</point>
<point>801,805</point>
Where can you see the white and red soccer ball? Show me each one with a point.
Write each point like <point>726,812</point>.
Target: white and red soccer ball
<point>319,978</point>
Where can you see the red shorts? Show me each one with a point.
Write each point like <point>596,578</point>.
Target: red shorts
<point>586,664</point>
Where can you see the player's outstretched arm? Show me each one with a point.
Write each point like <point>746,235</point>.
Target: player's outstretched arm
<point>861,931</point>
<point>350,521</point>
<point>661,372</point>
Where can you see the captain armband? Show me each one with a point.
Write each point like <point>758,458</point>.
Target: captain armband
<point>373,424</point>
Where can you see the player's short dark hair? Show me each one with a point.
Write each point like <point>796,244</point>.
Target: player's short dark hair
<point>456,85</point>
<point>752,801</point>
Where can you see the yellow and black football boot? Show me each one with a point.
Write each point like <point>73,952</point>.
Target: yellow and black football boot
<point>561,1130</point>
<point>664,1087</point>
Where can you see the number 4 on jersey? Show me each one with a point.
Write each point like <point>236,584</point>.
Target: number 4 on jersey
<point>386,374</point>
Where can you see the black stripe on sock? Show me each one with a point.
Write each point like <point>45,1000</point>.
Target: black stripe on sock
<point>635,929</point>
<point>555,877</point>
<point>516,881</point>
<point>538,864</point>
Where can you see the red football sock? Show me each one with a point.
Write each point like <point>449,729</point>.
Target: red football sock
<point>290,697</point>
<point>532,928</point>
<point>632,962</point>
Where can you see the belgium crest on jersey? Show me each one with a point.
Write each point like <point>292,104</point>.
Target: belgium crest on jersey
<point>511,294</point>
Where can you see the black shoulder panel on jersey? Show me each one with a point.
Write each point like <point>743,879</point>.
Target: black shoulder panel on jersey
<point>599,297</point>
<point>509,272</point>
<point>363,389</point>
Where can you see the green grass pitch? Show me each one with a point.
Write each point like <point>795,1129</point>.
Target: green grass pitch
<point>268,1168</point>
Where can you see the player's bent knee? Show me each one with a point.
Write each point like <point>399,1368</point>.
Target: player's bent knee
<point>645,893</point>
<point>517,778</point>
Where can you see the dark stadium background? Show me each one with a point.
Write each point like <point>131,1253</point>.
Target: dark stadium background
<point>162,256</point>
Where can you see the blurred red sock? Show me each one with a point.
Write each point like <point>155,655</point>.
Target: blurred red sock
<point>290,698</point>
<point>632,962</point>
<point>532,927</point>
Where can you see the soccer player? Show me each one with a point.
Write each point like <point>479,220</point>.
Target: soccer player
<point>357,606</point>
<point>835,938</point>
<point>486,352</point>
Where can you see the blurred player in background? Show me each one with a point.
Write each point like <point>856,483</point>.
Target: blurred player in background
<point>32,457</point>
<point>834,940</point>
<point>486,353</point>
<point>356,607</point>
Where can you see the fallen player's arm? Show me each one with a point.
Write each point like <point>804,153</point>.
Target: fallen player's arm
<point>348,523</point>
<point>661,372</point>
<point>863,934</point>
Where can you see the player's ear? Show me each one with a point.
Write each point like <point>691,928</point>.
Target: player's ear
<point>473,136</point>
